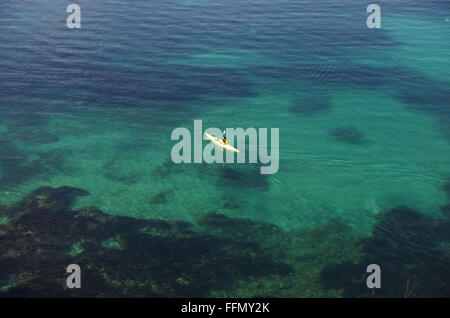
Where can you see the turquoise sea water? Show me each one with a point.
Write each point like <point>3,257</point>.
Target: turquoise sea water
<point>363,117</point>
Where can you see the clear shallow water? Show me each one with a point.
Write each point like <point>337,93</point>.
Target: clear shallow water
<point>363,118</point>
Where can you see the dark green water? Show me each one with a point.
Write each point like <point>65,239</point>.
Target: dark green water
<point>364,171</point>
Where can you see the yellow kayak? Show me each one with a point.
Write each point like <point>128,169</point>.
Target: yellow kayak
<point>218,142</point>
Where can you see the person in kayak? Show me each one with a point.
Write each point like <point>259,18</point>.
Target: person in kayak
<point>224,139</point>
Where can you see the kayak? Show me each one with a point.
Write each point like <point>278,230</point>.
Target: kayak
<point>218,142</point>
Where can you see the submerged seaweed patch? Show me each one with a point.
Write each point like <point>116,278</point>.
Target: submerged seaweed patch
<point>159,83</point>
<point>230,202</point>
<point>311,105</point>
<point>161,197</point>
<point>166,169</point>
<point>114,174</point>
<point>349,135</point>
<point>22,166</point>
<point>179,263</point>
<point>446,210</point>
<point>128,180</point>
<point>447,188</point>
<point>404,243</point>
<point>17,170</point>
<point>31,135</point>
<point>223,257</point>
<point>424,93</point>
<point>249,178</point>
